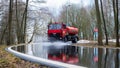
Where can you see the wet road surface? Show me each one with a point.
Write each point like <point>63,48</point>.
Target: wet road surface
<point>78,55</point>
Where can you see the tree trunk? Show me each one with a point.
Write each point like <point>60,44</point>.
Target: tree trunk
<point>21,26</point>
<point>99,23</point>
<point>106,34</point>
<point>3,34</point>
<point>10,21</point>
<point>115,8</point>
<point>33,32</point>
<point>116,20</point>
<point>17,24</point>
<point>117,25</point>
<point>25,24</point>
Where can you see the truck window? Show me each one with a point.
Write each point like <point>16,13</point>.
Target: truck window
<point>55,26</point>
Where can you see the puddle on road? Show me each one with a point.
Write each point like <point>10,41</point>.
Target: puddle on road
<point>83,56</point>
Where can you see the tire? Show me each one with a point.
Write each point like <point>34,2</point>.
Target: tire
<point>75,40</point>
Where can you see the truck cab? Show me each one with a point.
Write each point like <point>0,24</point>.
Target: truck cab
<point>59,31</point>
<point>56,30</point>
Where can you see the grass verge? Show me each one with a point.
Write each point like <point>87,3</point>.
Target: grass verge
<point>8,60</point>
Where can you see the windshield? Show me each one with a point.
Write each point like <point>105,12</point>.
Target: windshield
<point>55,26</point>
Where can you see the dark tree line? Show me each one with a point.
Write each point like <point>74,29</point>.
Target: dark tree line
<point>18,20</point>
<point>116,28</point>
<point>14,29</point>
<point>99,21</point>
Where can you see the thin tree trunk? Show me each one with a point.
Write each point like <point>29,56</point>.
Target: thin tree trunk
<point>10,22</point>
<point>106,34</point>
<point>33,33</point>
<point>3,34</point>
<point>117,25</point>
<point>31,38</point>
<point>115,9</point>
<point>116,20</point>
<point>25,24</point>
<point>22,26</point>
<point>17,24</point>
<point>99,23</point>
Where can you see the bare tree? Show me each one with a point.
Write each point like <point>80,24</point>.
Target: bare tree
<point>105,29</point>
<point>10,21</point>
<point>116,20</point>
<point>21,23</point>
<point>99,23</point>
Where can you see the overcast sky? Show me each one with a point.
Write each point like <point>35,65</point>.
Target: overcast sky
<point>55,5</point>
<point>58,3</point>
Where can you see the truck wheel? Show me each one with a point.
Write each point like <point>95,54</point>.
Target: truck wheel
<point>65,39</point>
<point>74,40</point>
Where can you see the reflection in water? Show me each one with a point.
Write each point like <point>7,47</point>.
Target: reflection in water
<point>68,54</point>
<point>83,56</point>
<point>20,48</point>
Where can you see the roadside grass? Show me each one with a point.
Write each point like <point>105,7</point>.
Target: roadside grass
<point>8,60</point>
